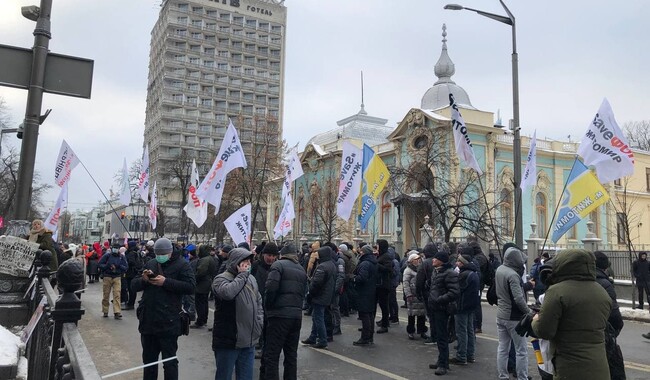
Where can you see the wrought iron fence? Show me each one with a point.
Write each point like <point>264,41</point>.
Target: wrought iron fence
<point>56,350</point>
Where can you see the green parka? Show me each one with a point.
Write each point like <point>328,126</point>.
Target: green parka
<point>573,318</point>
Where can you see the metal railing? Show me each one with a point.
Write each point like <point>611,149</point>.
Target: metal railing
<point>56,350</point>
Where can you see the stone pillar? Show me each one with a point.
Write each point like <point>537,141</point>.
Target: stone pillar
<point>591,241</point>
<point>534,246</point>
<point>426,233</point>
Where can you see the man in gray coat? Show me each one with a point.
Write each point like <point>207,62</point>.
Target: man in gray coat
<point>510,309</point>
<point>238,317</point>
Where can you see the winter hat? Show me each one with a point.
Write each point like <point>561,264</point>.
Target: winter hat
<point>190,248</point>
<point>602,262</point>
<point>382,246</point>
<point>150,243</point>
<point>442,256</point>
<point>73,248</point>
<point>271,249</point>
<point>466,251</point>
<point>132,244</point>
<point>226,248</point>
<point>260,247</point>
<point>546,256</point>
<point>430,250</point>
<point>244,245</point>
<point>463,259</point>
<point>343,248</point>
<point>413,255</point>
<point>163,246</point>
<point>288,249</point>
<point>366,250</point>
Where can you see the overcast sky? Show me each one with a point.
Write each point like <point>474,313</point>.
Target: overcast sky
<point>571,55</point>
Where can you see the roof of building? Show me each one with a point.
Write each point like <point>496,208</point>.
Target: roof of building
<point>437,96</point>
<point>369,129</point>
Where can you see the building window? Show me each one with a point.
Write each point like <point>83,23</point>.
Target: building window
<point>386,207</point>
<point>506,212</point>
<point>617,182</point>
<point>420,142</point>
<point>572,234</point>
<point>541,209</point>
<point>620,228</point>
<point>647,179</point>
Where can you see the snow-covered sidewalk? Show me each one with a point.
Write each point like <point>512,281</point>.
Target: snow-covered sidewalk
<point>11,353</point>
<point>635,314</point>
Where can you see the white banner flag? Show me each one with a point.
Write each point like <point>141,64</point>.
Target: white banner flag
<point>52,221</point>
<point>529,177</point>
<point>230,156</point>
<point>153,208</point>
<point>66,161</point>
<point>283,226</point>
<point>239,225</point>
<point>293,171</point>
<point>125,193</point>
<point>605,147</point>
<point>143,180</point>
<point>196,208</point>
<point>461,137</point>
<point>349,179</point>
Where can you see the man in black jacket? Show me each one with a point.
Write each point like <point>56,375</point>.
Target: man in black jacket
<point>134,260</point>
<point>321,292</point>
<point>164,281</point>
<point>442,300</point>
<point>423,286</point>
<point>384,285</point>
<point>641,270</point>
<point>205,269</point>
<point>283,300</point>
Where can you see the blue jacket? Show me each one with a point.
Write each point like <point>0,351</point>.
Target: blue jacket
<point>112,265</point>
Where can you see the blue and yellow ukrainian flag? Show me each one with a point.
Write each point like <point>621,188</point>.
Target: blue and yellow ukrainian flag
<point>582,195</point>
<point>375,178</point>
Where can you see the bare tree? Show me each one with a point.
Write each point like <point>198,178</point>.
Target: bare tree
<point>456,202</point>
<point>322,205</point>
<point>638,134</point>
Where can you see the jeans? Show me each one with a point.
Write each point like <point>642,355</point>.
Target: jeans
<point>318,332</point>
<point>367,326</point>
<point>382,300</point>
<point>336,313</point>
<point>154,345</point>
<point>240,360</point>
<point>507,334</point>
<point>201,304</point>
<point>393,307</point>
<point>114,283</point>
<point>465,335</point>
<point>282,335</point>
<point>442,334</point>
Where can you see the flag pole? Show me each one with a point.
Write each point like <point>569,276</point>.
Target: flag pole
<point>104,195</point>
<point>487,208</point>
<point>557,206</point>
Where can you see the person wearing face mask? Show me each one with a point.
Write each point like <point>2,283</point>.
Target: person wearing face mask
<point>113,266</point>
<point>163,281</point>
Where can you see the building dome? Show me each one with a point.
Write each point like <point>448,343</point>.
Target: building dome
<point>438,95</point>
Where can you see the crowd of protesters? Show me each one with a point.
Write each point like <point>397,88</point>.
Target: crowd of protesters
<point>261,293</point>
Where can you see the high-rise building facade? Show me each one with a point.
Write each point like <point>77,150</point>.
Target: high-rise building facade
<point>211,61</point>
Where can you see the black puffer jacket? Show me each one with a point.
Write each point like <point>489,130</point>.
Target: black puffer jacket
<point>425,274</point>
<point>364,280</point>
<point>641,268</point>
<point>285,288</point>
<point>206,269</point>
<point>160,306</point>
<point>321,289</point>
<point>444,288</point>
<point>384,266</point>
<point>615,318</point>
<point>260,270</point>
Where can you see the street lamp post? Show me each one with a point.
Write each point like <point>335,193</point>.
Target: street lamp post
<point>516,144</point>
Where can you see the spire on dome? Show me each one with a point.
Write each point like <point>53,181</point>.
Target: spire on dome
<point>362,111</point>
<point>444,68</point>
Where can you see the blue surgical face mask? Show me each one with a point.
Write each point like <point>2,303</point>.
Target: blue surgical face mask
<point>162,258</point>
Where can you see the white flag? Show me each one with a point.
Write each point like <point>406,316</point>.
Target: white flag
<point>239,225</point>
<point>52,221</point>
<point>283,226</point>
<point>529,177</point>
<point>461,137</point>
<point>605,147</point>
<point>196,208</point>
<point>230,156</point>
<point>66,161</point>
<point>143,180</point>
<point>293,171</point>
<point>153,208</point>
<point>349,179</point>
<point>125,194</point>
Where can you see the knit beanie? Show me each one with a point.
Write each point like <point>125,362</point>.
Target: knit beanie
<point>602,262</point>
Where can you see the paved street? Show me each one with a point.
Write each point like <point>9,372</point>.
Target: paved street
<point>115,346</point>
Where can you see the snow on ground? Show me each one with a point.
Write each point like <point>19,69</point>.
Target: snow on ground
<point>635,314</point>
<point>10,347</point>
<point>22,369</point>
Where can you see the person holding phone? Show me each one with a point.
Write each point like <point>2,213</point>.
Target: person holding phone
<point>164,281</point>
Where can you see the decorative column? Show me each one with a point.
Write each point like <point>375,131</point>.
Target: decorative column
<point>357,239</point>
<point>591,241</point>
<point>425,232</point>
<point>534,246</point>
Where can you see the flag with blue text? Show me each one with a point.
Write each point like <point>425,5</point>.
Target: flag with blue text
<point>349,179</point>
<point>375,178</point>
<point>529,177</point>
